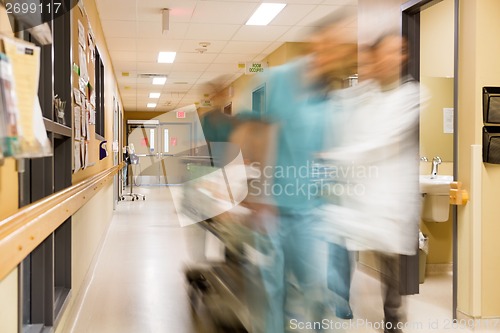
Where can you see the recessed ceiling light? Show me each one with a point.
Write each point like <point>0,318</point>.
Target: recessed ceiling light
<point>151,105</point>
<point>159,80</point>
<point>154,95</point>
<point>265,13</point>
<point>166,57</point>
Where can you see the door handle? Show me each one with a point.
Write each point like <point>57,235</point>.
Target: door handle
<point>458,196</point>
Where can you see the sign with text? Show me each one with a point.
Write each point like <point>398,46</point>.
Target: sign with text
<point>255,67</point>
<point>206,102</point>
<point>181,114</point>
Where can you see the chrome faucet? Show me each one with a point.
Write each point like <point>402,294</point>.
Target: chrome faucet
<point>424,159</point>
<point>435,162</point>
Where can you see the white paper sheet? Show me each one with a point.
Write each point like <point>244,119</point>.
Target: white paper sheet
<point>78,123</point>
<point>82,58</point>
<point>448,115</point>
<point>81,35</point>
<point>77,156</point>
<point>77,96</point>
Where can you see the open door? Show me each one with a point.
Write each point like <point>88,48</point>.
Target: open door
<point>414,21</point>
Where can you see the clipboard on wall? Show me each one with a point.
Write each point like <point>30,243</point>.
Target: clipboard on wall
<point>24,58</point>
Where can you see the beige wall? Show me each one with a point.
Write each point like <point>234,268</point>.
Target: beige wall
<point>488,73</point>
<point>433,140</point>
<point>436,40</point>
<point>90,225</point>
<point>436,75</point>
<point>8,303</point>
<point>479,271</point>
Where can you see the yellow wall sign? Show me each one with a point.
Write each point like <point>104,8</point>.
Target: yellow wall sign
<point>255,67</point>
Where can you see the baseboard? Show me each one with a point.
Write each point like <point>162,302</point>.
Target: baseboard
<point>476,324</point>
<point>438,269</point>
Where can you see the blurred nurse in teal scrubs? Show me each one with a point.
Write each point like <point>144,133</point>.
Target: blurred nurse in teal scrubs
<point>298,103</point>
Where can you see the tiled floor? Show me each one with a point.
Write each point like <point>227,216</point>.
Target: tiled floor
<point>139,285</point>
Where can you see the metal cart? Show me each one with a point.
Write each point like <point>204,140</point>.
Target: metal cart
<point>131,159</point>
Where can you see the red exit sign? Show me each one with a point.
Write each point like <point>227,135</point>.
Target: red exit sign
<point>181,114</point>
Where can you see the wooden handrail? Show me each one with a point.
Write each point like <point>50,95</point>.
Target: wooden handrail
<point>23,231</point>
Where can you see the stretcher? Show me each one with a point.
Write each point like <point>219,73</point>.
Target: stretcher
<point>226,289</point>
<point>223,289</point>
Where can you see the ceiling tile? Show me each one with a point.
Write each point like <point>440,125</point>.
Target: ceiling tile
<point>153,30</point>
<point>183,76</point>
<point>195,57</point>
<point>123,29</point>
<point>191,45</point>
<point>245,47</point>
<point>123,55</point>
<point>153,67</point>
<point>188,67</point>
<point>117,10</point>
<point>121,44</point>
<point>303,2</point>
<point>340,2</point>
<point>125,66</point>
<point>295,34</point>
<point>129,81</point>
<point>150,56</point>
<point>180,10</point>
<point>260,33</point>
<point>210,12</point>
<point>216,32</point>
<point>155,45</point>
<point>233,58</point>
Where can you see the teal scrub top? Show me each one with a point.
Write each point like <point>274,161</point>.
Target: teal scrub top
<point>303,114</point>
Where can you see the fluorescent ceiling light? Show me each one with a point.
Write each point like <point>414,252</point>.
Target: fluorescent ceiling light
<point>166,57</point>
<point>154,95</point>
<point>151,105</point>
<point>160,80</point>
<point>265,13</point>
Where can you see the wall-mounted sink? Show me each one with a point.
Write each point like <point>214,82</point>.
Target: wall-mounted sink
<point>440,185</point>
<point>436,197</point>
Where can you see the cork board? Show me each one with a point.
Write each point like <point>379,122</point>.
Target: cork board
<point>85,145</point>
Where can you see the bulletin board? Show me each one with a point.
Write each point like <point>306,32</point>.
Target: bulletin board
<point>85,145</point>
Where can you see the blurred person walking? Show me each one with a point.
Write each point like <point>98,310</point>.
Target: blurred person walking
<point>298,103</point>
<point>379,164</point>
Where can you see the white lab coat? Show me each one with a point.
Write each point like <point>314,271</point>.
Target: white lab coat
<point>375,156</point>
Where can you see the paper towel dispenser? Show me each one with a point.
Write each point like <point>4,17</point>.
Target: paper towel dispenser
<point>491,144</point>
<point>491,105</point>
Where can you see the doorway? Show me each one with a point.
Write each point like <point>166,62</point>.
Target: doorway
<point>431,28</point>
<point>259,100</point>
<point>159,146</point>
